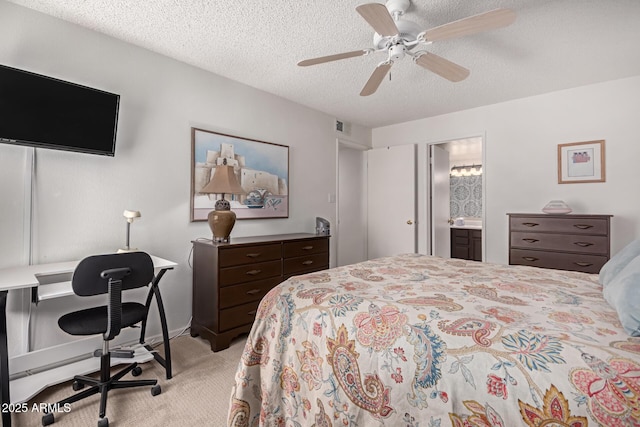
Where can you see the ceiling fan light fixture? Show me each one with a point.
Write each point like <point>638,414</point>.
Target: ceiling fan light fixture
<point>397,52</point>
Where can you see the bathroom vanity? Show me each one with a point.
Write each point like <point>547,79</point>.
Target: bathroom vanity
<point>466,242</point>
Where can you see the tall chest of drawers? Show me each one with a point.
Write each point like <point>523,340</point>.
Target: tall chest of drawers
<point>562,242</point>
<point>230,279</point>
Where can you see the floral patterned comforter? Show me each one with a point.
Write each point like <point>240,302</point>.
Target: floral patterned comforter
<point>424,341</point>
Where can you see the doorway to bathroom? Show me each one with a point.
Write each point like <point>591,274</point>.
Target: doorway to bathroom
<point>455,198</point>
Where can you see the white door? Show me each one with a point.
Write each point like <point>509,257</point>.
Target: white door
<point>391,201</point>
<point>440,202</point>
<point>352,204</point>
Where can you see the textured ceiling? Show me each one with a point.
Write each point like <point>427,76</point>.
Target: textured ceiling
<point>553,45</point>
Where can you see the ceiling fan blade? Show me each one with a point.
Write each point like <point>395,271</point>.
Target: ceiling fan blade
<point>442,67</point>
<point>378,17</point>
<point>376,78</point>
<point>330,58</point>
<point>497,18</point>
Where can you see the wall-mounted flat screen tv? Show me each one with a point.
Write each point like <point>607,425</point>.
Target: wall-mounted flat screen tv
<point>44,112</point>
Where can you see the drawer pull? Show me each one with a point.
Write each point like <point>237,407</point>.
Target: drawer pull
<point>531,240</point>
<point>529,258</point>
<point>307,262</point>
<point>253,291</point>
<point>530,224</point>
<point>252,313</point>
<point>583,264</point>
<point>307,248</point>
<point>253,272</point>
<point>583,244</point>
<point>583,226</point>
<point>254,255</point>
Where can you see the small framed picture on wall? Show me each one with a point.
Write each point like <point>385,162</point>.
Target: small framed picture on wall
<point>581,162</point>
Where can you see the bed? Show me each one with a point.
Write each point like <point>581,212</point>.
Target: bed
<point>422,341</point>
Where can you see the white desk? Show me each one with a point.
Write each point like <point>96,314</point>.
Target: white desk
<point>53,281</point>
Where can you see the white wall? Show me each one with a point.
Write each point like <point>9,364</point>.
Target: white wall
<point>520,167</point>
<point>80,198</point>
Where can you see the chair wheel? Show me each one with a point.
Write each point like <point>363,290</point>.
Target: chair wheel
<point>136,371</point>
<point>156,390</point>
<point>77,386</point>
<point>103,422</point>
<point>47,419</point>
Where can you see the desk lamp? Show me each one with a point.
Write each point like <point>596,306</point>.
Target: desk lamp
<point>222,219</point>
<point>130,216</point>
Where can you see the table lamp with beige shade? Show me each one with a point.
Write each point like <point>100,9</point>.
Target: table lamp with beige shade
<point>222,218</point>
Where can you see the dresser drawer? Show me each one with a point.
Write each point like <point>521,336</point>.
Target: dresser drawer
<point>566,224</point>
<point>306,264</point>
<point>561,242</point>
<point>250,272</point>
<point>306,247</point>
<point>560,261</point>
<point>249,255</point>
<point>237,316</point>
<point>241,294</point>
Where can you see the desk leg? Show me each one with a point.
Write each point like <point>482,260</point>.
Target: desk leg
<point>155,291</point>
<point>4,360</point>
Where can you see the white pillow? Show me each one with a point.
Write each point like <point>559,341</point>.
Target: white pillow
<point>618,262</point>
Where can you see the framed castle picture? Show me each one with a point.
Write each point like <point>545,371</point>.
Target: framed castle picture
<point>580,162</point>
<point>261,168</point>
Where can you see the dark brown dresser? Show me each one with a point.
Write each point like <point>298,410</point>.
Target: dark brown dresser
<point>562,242</point>
<point>230,279</point>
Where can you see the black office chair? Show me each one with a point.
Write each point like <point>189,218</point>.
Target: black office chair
<point>107,274</point>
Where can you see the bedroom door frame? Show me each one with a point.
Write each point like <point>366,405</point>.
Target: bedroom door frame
<point>343,234</point>
<point>424,192</point>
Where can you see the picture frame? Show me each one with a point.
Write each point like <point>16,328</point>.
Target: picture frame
<point>581,162</point>
<point>261,168</point>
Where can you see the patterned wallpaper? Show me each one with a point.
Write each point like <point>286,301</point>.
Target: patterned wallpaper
<point>466,196</point>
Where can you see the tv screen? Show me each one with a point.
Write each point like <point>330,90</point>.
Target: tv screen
<point>41,111</point>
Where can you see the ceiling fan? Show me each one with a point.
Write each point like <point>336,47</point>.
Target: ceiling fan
<point>399,37</point>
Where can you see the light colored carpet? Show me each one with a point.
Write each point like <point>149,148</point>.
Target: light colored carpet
<point>197,395</point>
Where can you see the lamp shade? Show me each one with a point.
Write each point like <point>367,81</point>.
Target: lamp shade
<point>131,215</point>
<point>224,181</point>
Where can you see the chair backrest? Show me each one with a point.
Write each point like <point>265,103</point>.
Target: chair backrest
<point>111,274</point>
<point>88,279</point>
